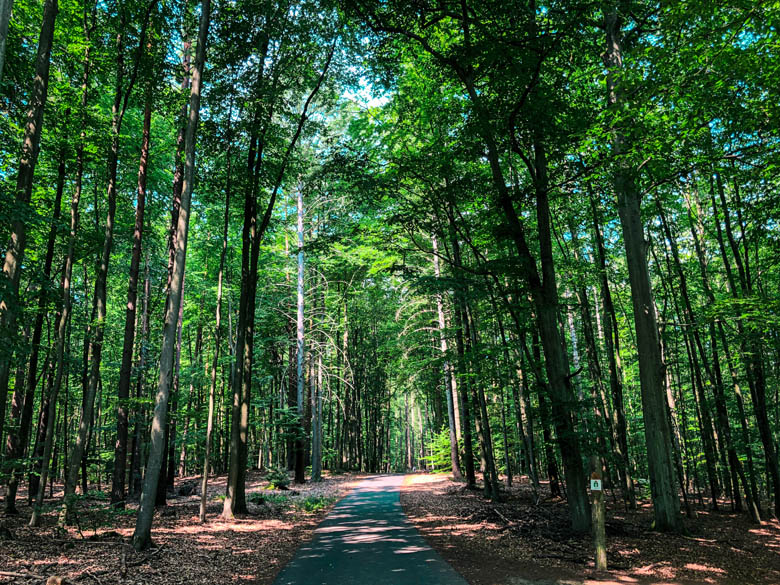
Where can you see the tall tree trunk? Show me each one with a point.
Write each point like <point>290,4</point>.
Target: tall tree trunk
<point>486,439</point>
<point>217,326</point>
<point>143,527</point>
<point>125,371</point>
<point>713,372</point>
<point>751,492</point>
<point>252,235</point>
<point>460,381</point>
<point>545,299</point>
<point>17,443</point>
<point>612,339</point>
<point>121,96</point>
<point>300,468</point>
<point>541,392</point>
<point>316,407</point>
<point>31,140</point>
<point>136,480</point>
<point>658,435</point>
<point>751,349</point>
<point>67,274</point>
<point>6,6</point>
<point>448,390</point>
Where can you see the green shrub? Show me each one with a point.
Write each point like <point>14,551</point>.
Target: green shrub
<point>314,503</point>
<point>259,499</point>
<point>278,479</point>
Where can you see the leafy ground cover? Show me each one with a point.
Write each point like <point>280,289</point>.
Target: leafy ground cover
<point>514,542</point>
<point>247,549</point>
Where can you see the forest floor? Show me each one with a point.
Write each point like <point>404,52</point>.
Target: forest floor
<point>249,549</point>
<point>515,542</point>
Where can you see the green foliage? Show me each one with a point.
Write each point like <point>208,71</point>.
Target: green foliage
<point>439,448</point>
<point>278,479</point>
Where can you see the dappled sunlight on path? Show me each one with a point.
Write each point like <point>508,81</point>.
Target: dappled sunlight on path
<point>367,539</point>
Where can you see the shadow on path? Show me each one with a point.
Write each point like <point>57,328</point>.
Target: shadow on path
<point>367,540</point>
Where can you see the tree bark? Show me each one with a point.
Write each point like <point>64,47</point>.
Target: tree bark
<point>67,274</point>
<point>300,468</point>
<point>658,436</point>
<point>121,96</point>
<point>125,371</point>
<point>142,534</point>
<point>217,325</point>
<point>612,339</point>
<point>31,140</point>
<point>6,6</point>
<point>448,390</point>
<point>17,443</point>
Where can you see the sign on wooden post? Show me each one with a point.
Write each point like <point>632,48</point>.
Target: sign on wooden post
<point>598,515</point>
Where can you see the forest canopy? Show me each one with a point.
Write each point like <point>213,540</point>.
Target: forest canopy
<point>509,240</point>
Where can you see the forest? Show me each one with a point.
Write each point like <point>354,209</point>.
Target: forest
<point>525,243</point>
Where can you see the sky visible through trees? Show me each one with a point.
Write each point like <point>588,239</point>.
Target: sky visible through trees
<point>513,241</point>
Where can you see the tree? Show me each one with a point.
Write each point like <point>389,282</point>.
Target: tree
<point>12,265</point>
<point>142,534</point>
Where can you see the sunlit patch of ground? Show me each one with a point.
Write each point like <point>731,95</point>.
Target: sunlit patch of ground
<point>528,544</point>
<point>245,549</point>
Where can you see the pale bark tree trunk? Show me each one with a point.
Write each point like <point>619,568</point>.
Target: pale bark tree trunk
<point>143,527</point>
<point>300,347</point>
<point>252,235</point>
<point>658,435</point>
<point>9,305</point>
<point>217,326</point>
<point>448,389</point>
<point>316,418</point>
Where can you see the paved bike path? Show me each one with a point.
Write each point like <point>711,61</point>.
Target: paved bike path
<point>367,540</point>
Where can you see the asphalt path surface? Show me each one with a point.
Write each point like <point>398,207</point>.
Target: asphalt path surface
<point>367,540</point>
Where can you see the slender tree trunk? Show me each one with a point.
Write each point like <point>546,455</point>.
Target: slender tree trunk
<point>6,7</point>
<point>136,481</point>
<point>612,339</point>
<point>67,274</point>
<point>79,445</point>
<point>196,359</point>
<point>252,235</point>
<point>460,381</point>
<point>125,371</point>
<point>12,265</point>
<point>544,410</point>
<point>448,390</point>
<point>300,345</point>
<point>217,329</point>
<point>751,493</point>
<point>486,439</point>
<point>751,349</point>
<point>316,426</point>
<point>142,534</point>
<point>17,443</point>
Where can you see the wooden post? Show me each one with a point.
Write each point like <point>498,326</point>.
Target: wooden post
<point>598,514</point>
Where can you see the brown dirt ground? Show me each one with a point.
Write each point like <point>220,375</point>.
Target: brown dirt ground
<point>248,549</point>
<point>515,542</point>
